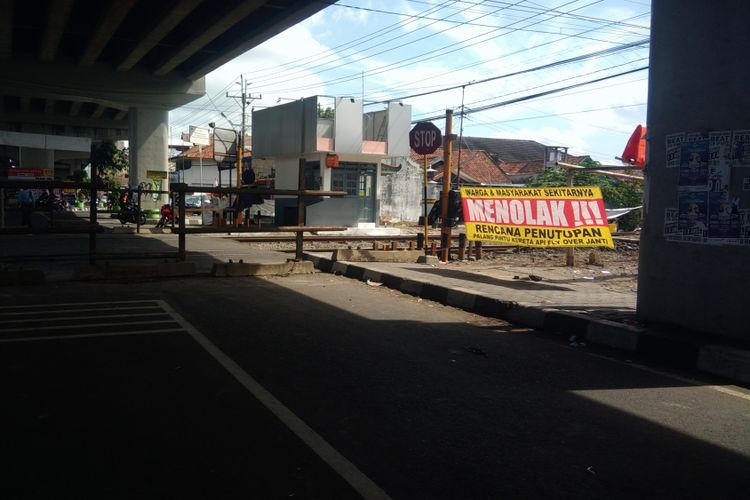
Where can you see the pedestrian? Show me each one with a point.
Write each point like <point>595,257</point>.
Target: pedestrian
<point>26,202</point>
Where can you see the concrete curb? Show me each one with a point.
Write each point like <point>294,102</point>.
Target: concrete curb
<point>688,352</point>
<point>244,269</point>
<point>352,255</point>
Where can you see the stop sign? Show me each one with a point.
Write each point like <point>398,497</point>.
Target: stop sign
<point>425,138</point>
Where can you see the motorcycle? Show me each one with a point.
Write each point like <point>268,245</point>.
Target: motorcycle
<point>167,215</point>
<point>49,201</point>
<point>130,213</point>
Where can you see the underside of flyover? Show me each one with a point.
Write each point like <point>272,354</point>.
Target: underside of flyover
<point>111,70</point>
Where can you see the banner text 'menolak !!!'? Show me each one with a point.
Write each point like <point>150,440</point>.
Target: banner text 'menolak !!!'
<point>536,216</point>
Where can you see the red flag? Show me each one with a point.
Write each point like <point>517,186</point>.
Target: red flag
<point>635,150</point>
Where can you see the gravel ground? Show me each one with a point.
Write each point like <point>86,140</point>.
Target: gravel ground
<point>618,266</point>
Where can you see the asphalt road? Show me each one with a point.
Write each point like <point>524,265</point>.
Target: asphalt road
<point>323,387</point>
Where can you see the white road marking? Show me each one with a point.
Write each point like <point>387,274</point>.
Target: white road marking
<point>54,311</point>
<point>63,327</point>
<point>99,316</point>
<point>87,335</point>
<point>719,388</point>
<point>63,304</point>
<point>347,470</point>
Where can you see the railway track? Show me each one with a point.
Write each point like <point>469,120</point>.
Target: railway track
<point>391,242</point>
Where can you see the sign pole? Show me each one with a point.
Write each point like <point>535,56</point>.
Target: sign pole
<point>424,201</point>
<point>570,256</point>
<point>424,139</point>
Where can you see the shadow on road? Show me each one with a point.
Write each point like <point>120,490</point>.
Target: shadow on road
<point>426,405</point>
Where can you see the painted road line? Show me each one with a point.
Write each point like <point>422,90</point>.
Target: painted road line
<point>66,304</point>
<point>730,391</point>
<point>65,318</point>
<point>54,311</point>
<point>93,325</point>
<point>89,335</point>
<point>347,470</point>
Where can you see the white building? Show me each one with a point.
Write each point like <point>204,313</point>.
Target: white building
<point>343,148</point>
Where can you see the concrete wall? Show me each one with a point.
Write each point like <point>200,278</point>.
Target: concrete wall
<point>348,126</point>
<point>400,193</point>
<point>287,129</point>
<point>399,125</point>
<point>697,83</point>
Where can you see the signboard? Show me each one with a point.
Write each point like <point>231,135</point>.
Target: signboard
<point>225,145</point>
<point>425,138</point>
<point>156,174</point>
<point>199,136</point>
<point>30,174</point>
<point>536,217</point>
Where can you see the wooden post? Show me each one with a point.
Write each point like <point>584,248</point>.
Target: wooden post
<point>298,254</point>
<point>445,230</point>
<point>138,212</point>
<point>394,245</point>
<point>461,246</point>
<point>478,250</point>
<point>433,248</point>
<point>93,213</point>
<point>181,253</point>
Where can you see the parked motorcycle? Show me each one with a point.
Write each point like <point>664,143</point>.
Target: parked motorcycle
<point>130,213</point>
<point>49,201</point>
<point>167,215</point>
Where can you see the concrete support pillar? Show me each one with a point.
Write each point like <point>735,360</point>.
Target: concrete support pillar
<point>148,143</point>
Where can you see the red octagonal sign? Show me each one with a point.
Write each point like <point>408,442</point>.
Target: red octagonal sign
<point>425,138</point>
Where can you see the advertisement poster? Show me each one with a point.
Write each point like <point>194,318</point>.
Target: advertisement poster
<point>694,166</point>
<point>536,217</point>
<point>723,217</point>
<point>670,224</point>
<point>745,226</point>
<point>674,143</point>
<point>692,212</point>
<point>719,160</point>
<point>741,148</point>
<point>720,146</point>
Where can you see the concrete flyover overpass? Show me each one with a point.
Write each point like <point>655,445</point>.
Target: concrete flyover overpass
<point>80,70</point>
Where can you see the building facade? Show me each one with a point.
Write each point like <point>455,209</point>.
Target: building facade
<point>342,147</point>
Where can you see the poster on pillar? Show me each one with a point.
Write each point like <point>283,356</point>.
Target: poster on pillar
<point>536,217</point>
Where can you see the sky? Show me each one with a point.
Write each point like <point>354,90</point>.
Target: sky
<point>587,58</point>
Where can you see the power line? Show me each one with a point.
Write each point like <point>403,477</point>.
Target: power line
<point>537,95</point>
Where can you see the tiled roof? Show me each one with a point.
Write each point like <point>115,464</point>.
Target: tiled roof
<point>207,152</point>
<point>505,150</point>
<point>476,167</point>
<point>522,167</point>
<point>499,150</point>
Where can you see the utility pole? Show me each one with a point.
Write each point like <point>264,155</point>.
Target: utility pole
<point>445,232</point>
<point>245,99</point>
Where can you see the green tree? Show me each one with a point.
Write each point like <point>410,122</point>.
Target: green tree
<point>617,193</point>
<point>111,163</point>
<point>326,113</point>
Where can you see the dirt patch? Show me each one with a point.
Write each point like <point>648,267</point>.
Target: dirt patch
<point>614,270</point>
